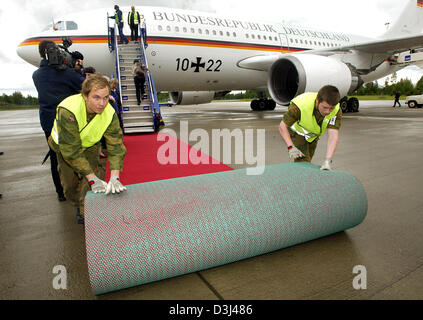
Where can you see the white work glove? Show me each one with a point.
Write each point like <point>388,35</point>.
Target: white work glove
<point>294,153</point>
<point>97,185</point>
<point>114,185</point>
<point>326,164</point>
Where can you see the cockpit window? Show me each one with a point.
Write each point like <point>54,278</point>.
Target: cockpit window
<point>60,25</point>
<point>70,25</point>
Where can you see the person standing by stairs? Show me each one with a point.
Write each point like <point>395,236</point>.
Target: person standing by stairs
<point>119,21</point>
<point>134,23</point>
<point>138,70</point>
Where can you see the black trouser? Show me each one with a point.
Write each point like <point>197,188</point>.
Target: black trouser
<point>54,171</point>
<point>139,87</point>
<point>134,32</point>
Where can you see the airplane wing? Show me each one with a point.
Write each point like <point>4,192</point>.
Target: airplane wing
<point>384,46</point>
<point>380,47</point>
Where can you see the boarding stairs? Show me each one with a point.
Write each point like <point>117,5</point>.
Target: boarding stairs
<point>136,118</point>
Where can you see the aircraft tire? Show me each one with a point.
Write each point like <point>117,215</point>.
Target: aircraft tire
<point>353,104</point>
<point>254,105</point>
<point>262,105</point>
<point>270,105</point>
<point>344,105</point>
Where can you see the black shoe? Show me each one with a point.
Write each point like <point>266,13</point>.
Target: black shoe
<point>79,219</point>
<point>61,197</point>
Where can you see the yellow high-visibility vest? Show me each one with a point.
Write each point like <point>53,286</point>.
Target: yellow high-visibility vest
<point>307,125</point>
<point>136,17</point>
<point>91,132</point>
<point>117,18</point>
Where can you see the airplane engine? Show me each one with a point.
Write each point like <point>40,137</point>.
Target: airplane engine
<point>293,75</point>
<point>191,97</point>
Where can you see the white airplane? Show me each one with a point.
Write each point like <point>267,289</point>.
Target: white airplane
<point>196,55</point>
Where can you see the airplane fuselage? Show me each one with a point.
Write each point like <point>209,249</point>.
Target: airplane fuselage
<point>191,51</point>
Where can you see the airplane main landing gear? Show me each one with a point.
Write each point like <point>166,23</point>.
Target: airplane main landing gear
<point>263,105</point>
<point>349,105</point>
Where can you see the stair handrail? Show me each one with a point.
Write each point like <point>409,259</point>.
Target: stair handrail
<point>110,41</point>
<point>150,82</point>
<point>117,64</point>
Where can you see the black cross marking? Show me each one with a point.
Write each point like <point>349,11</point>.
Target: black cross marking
<point>198,65</point>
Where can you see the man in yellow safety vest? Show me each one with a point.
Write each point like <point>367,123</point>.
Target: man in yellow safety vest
<point>308,117</point>
<point>134,22</point>
<point>82,120</point>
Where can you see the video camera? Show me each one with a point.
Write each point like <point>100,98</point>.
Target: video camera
<point>59,57</point>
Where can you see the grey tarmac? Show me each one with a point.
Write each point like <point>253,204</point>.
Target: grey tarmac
<point>381,146</point>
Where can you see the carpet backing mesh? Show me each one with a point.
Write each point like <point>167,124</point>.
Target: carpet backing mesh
<point>162,229</point>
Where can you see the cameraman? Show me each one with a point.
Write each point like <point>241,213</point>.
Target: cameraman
<point>78,64</point>
<point>53,85</point>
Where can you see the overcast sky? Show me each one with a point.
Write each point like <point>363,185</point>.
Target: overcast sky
<point>20,19</point>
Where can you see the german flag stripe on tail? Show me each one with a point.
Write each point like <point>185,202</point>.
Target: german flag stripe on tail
<point>420,3</point>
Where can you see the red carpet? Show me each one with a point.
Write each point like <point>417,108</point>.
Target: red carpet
<point>141,163</point>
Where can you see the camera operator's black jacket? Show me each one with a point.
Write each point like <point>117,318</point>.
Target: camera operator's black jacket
<point>53,87</point>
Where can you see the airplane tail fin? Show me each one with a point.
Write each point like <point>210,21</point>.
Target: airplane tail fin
<point>409,22</point>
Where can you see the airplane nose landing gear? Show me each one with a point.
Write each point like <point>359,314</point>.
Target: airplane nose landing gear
<point>263,105</point>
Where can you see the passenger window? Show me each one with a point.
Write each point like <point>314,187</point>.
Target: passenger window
<point>221,33</point>
<point>247,36</point>
<point>214,32</point>
<point>160,28</point>
<point>264,37</point>
<point>200,31</point>
<point>207,31</point>
<point>168,28</point>
<point>177,29</point>
<point>185,29</point>
<point>192,30</point>
<point>252,36</point>
<point>258,37</point>
<point>70,25</point>
<point>234,34</point>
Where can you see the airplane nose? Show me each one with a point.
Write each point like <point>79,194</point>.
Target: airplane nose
<point>28,51</point>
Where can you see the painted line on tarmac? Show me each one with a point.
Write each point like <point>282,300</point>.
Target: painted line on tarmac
<point>384,118</point>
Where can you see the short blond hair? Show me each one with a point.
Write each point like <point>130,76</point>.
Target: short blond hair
<point>96,81</point>
<point>114,81</point>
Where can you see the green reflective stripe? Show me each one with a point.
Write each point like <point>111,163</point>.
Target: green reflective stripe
<point>303,132</point>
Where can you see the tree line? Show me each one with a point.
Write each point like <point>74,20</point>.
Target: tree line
<point>404,86</point>
<point>17,99</point>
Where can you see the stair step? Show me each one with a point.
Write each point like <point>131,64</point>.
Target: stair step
<point>139,130</point>
<point>137,119</point>
<point>134,108</point>
<point>132,122</point>
<point>136,115</point>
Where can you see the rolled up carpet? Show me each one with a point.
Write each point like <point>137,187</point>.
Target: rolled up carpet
<point>162,229</point>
